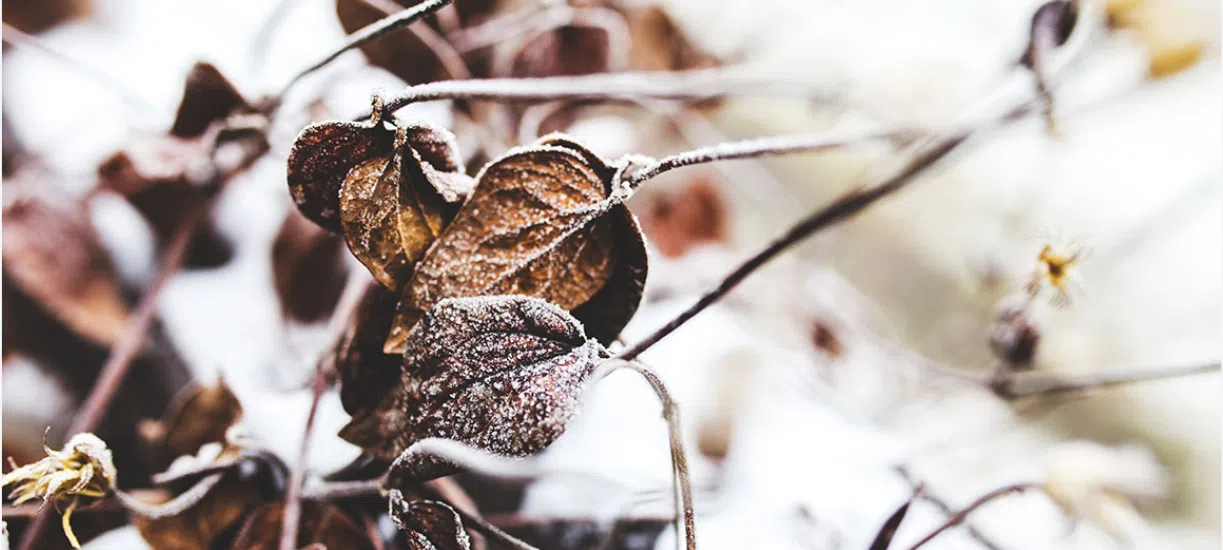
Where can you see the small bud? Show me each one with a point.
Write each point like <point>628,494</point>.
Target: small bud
<point>1014,335</point>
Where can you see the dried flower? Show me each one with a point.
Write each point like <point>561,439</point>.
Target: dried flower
<point>1055,269</point>
<point>83,469</point>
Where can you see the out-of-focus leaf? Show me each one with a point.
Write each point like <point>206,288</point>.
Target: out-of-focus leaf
<point>308,268</point>
<point>213,519</point>
<point>501,373</point>
<point>678,220</point>
<point>199,415</point>
<point>320,523</point>
<point>52,253</point>
<point>366,373</point>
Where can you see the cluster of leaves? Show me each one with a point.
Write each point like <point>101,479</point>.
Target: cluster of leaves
<point>496,293</point>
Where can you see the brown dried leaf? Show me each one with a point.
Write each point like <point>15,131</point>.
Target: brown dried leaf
<point>308,268</point>
<point>529,228</point>
<point>321,158</point>
<point>678,220</point>
<point>428,524</point>
<point>501,373</point>
<point>366,373</point>
<point>658,44</point>
<point>199,415</point>
<point>392,208</point>
<point>320,523</point>
<point>54,256</point>
<point>207,98</point>
<point>197,528</point>
<point>566,51</point>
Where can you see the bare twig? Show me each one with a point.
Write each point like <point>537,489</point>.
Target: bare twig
<point>760,147</point>
<point>327,490</point>
<point>446,53</point>
<point>370,32</point>
<point>174,506</point>
<point>942,505</point>
<point>841,209</point>
<point>17,38</point>
<point>350,298</point>
<point>623,87</point>
<point>1037,383</point>
<point>981,501</point>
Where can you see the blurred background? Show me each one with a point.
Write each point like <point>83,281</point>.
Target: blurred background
<point>814,397</point>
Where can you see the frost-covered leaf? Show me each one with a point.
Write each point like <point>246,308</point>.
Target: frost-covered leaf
<point>533,227</point>
<point>393,207</point>
<point>501,373</point>
<point>321,158</point>
<point>428,524</point>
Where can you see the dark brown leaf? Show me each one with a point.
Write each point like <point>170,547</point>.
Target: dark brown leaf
<point>321,158</point>
<point>392,208</point>
<point>199,415</point>
<point>428,524</point>
<point>308,268</point>
<point>502,373</point>
<point>531,227</point>
<point>53,255</point>
<point>208,98</point>
<point>366,373</point>
<point>220,512</point>
<point>658,44</point>
<point>566,51</point>
<point>320,523</point>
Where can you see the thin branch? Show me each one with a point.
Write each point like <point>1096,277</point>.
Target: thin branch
<point>958,517</point>
<point>624,87</point>
<point>841,209</point>
<point>174,506</point>
<point>446,54</point>
<point>942,505</point>
<point>761,147</point>
<point>350,298</point>
<point>20,39</point>
<point>371,32</point>
<point>1036,383</point>
<point>329,490</point>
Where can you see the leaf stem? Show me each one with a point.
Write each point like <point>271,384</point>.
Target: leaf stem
<point>679,457</point>
<point>942,505</point>
<point>958,517</point>
<point>625,87</point>
<point>370,32</point>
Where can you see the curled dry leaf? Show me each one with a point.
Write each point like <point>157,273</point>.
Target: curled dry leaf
<point>566,51</point>
<point>320,523</point>
<point>308,268</point>
<point>393,207</point>
<point>500,373</point>
<point>207,524</point>
<point>428,524</point>
<point>535,226</point>
<point>208,97</point>
<point>366,373</point>
<point>53,255</point>
<point>199,415</point>
<point>321,158</point>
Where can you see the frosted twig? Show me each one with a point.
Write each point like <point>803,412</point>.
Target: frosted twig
<point>370,32</point>
<point>174,506</point>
